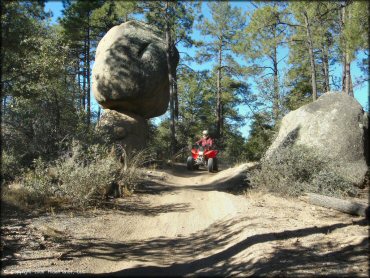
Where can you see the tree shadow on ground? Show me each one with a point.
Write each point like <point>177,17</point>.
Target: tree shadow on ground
<point>296,261</point>
<point>234,183</point>
<point>153,188</point>
<point>146,208</point>
<point>11,214</point>
<point>17,234</point>
<point>198,258</point>
<point>163,249</point>
<point>180,170</point>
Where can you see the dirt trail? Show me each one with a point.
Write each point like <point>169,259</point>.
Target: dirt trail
<point>187,224</point>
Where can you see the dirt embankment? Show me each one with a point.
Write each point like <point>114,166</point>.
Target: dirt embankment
<point>188,224</point>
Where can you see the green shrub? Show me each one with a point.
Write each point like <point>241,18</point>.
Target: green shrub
<point>10,167</point>
<point>83,177</point>
<point>293,171</point>
<point>33,188</point>
<point>328,183</point>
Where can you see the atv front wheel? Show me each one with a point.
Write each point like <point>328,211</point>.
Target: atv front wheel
<point>210,164</point>
<point>215,164</point>
<point>190,163</point>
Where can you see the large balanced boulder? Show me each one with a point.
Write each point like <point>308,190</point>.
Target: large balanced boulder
<point>334,125</point>
<point>130,73</point>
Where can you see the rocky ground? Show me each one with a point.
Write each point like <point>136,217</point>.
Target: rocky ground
<point>184,223</point>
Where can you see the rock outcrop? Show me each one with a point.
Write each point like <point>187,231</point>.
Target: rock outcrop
<point>130,80</point>
<point>130,71</point>
<point>334,125</point>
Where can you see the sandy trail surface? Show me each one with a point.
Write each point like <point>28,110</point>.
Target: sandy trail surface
<point>185,223</point>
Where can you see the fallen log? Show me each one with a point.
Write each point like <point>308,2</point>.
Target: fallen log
<point>345,206</point>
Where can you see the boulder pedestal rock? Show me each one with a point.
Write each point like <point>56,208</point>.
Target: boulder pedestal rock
<point>130,130</point>
<point>334,125</point>
<point>130,80</point>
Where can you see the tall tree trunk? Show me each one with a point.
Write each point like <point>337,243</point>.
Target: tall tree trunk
<point>312,58</point>
<point>368,91</point>
<point>77,70</point>
<point>3,103</point>
<point>325,63</point>
<point>344,76</point>
<point>276,86</point>
<point>88,116</point>
<point>350,85</point>
<point>3,100</point>
<point>83,97</point>
<point>2,58</point>
<point>344,63</point>
<point>219,101</point>
<point>342,22</point>
<point>3,95</point>
<point>347,76</point>
<point>347,64</point>
<point>175,94</point>
<point>170,80</point>
<point>346,70</point>
<point>99,112</point>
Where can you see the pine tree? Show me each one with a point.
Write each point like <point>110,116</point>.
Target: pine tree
<point>113,13</point>
<point>354,27</point>
<point>37,92</point>
<point>260,137</point>
<point>221,30</point>
<point>330,31</point>
<point>176,19</point>
<point>77,25</point>
<point>312,48</point>
<point>260,42</point>
<point>194,104</point>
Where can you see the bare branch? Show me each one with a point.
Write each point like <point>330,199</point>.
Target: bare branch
<point>289,24</point>
<point>282,59</point>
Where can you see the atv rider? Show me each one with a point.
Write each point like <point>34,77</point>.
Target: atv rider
<point>206,140</point>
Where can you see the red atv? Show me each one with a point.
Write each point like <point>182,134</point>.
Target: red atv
<point>202,156</point>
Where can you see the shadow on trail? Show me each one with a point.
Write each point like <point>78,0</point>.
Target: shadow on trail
<point>180,170</point>
<point>231,184</point>
<point>295,260</point>
<point>147,209</point>
<point>153,187</point>
<point>234,185</point>
<point>230,180</point>
<point>163,249</point>
<point>15,223</point>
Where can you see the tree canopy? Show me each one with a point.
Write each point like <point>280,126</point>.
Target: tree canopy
<point>270,58</point>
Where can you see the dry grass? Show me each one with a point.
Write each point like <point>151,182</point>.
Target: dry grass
<point>83,178</point>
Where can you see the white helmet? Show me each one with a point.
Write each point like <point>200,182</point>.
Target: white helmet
<point>205,132</point>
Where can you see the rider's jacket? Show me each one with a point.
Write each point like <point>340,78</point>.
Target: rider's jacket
<point>205,141</point>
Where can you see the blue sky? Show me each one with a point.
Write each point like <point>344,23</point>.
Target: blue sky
<point>361,93</point>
